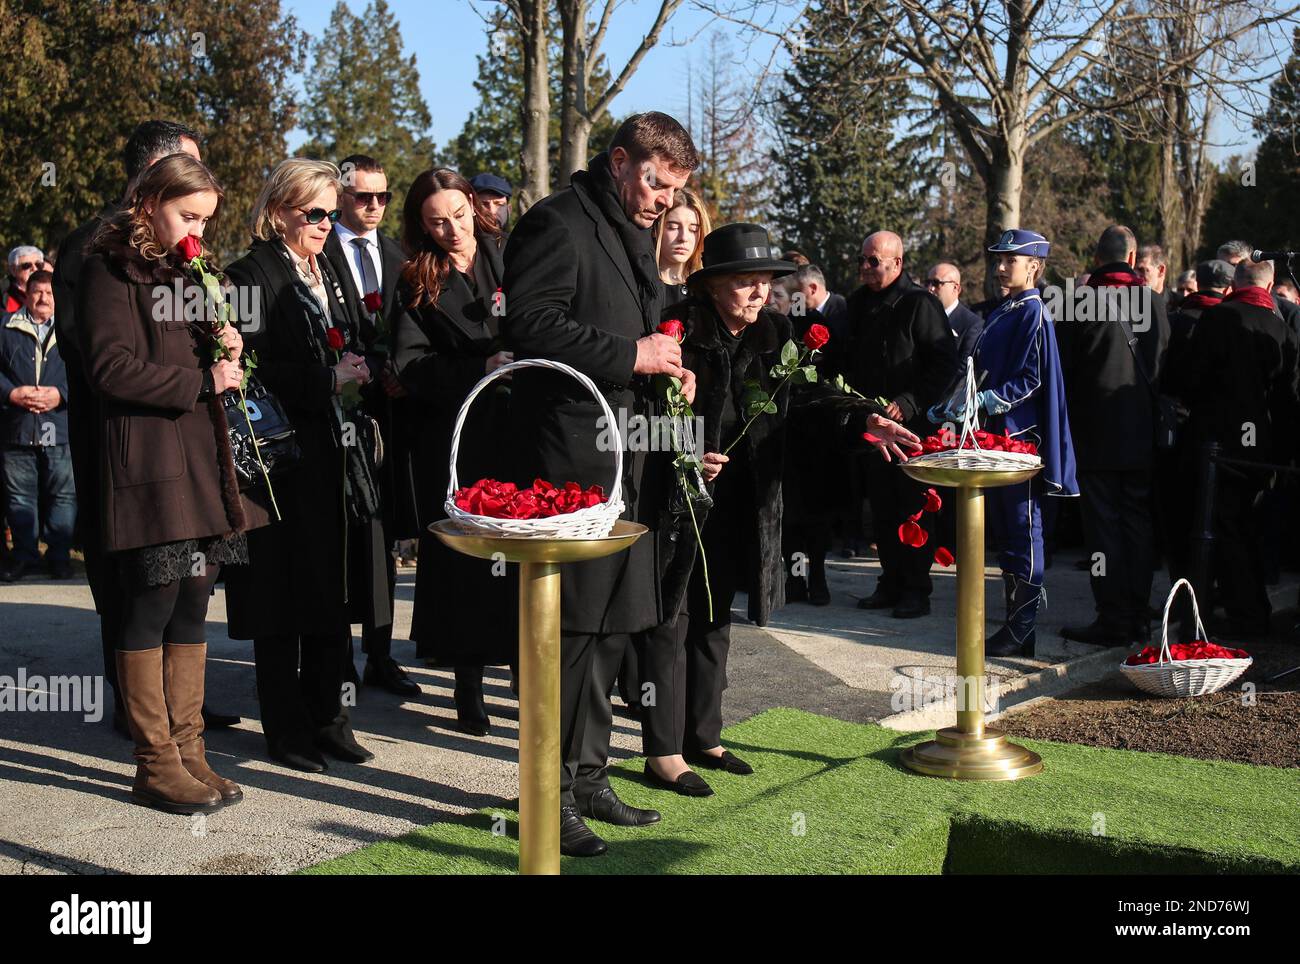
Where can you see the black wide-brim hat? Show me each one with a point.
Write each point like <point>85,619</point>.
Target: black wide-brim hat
<point>739,248</point>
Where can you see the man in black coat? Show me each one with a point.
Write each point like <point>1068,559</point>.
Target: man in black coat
<point>1111,379</point>
<point>901,349</point>
<point>149,142</point>
<point>944,282</point>
<point>1244,358</point>
<point>366,261</point>
<point>582,287</point>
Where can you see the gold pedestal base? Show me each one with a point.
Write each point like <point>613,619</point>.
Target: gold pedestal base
<point>970,756</point>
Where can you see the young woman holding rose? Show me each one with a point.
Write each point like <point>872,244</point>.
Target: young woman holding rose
<point>447,339</point>
<point>173,514</point>
<point>730,337</point>
<point>1016,359</point>
<point>321,567</point>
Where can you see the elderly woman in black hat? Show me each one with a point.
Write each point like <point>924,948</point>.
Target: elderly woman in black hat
<point>731,338</point>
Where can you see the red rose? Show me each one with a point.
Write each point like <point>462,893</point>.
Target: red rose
<point>190,247</point>
<point>674,329</point>
<point>815,337</point>
<point>932,501</point>
<point>334,337</point>
<point>943,557</point>
<point>911,534</point>
<point>374,301</point>
<point>873,439</point>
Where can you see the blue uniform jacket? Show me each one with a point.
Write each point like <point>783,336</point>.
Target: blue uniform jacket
<point>1017,350</point>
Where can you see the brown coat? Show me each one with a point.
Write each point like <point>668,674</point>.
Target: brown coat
<point>165,466</point>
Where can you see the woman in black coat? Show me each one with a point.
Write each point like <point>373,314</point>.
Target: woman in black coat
<point>732,340</point>
<point>446,340</point>
<point>321,567</point>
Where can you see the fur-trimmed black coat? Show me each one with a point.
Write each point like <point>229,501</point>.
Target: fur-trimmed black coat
<point>718,381</point>
<point>165,469</point>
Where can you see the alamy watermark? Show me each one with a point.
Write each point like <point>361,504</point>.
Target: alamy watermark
<point>53,694</point>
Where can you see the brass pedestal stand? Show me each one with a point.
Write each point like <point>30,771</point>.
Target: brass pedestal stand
<point>539,669</point>
<point>970,750</point>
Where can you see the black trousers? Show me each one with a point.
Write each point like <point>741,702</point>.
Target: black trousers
<point>894,497</point>
<point>377,641</point>
<point>299,684</point>
<point>101,572</point>
<point>1239,565</point>
<point>661,653</point>
<point>589,665</point>
<point>1116,512</point>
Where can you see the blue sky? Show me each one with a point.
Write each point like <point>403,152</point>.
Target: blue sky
<point>447,35</point>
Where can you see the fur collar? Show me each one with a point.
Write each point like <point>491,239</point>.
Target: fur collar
<point>701,321</point>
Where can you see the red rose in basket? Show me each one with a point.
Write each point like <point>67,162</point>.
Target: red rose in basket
<point>1197,649</point>
<point>986,441</point>
<point>505,500</point>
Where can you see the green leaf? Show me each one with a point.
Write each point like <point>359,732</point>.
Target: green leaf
<point>770,408</point>
<point>789,354</point>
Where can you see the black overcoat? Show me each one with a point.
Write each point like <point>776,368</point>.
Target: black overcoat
<point>571,296</point>
<point>299,580</point>
<point>465,608</point>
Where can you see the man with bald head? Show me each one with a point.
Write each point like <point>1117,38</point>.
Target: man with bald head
<point>900,347</point>
<point>1246,362</point>
<point>944,282</point>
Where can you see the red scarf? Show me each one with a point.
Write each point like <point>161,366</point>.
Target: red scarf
<point>1252,295</point>
<point>1202,299</point>
<point>1124,277</point>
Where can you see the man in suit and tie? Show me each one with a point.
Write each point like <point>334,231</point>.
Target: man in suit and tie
<point>369,264</point>
<point>944,282</point>
<point>833,308</point>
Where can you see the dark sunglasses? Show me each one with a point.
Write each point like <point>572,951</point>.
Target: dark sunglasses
<point>872,260</point>
<point>365,197</point>
<point>936,283</point>
<point>30,266</point>
<point>317,215</point>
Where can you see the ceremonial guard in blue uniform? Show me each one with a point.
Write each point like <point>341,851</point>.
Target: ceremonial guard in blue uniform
<point>1017,363</point>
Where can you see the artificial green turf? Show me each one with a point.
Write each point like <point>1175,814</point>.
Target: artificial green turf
<point>861,812</point>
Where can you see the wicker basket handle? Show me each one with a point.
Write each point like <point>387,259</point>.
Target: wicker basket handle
<point>1165,655</point>
<point>453,483</point>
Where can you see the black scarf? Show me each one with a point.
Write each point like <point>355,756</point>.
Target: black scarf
<point>599,182</point>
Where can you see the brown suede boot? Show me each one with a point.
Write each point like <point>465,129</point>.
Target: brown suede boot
<point>184,667</point>
<point>161,781</point>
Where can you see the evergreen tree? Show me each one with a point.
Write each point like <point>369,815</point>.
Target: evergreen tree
<point>843,170</point>
<point>363,97</point>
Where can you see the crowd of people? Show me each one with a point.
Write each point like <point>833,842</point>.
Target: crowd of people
<point>125,416</point>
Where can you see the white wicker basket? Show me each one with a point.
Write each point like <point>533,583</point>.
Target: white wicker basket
<point>1184,677</point>
<point>975,459</point>
<point>592,523</point>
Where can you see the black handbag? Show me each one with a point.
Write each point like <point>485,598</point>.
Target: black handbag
<point>266,421</point>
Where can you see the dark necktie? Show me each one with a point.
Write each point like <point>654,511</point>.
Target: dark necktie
<point>368,280</point>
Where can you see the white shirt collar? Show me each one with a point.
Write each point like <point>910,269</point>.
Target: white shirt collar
<point>952,307</point>
<point>346,234</point>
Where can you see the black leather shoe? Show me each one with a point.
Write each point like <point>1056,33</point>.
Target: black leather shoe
<point>911,608</point>
<point>728,761</point>
<point>60,570</point>
<point>12,571</point>
<point>607,808</point>
<point>471,711</point>
<point>819,594</point>
<point>387,675</point>
<point>302,758</point>
<point>1098,633</point>
<point>576,838</point>
<point>337,740</point>
<point>878,600</point>
<point>688,784</point>
<point>212,720</point>
<point>1003,643</point>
